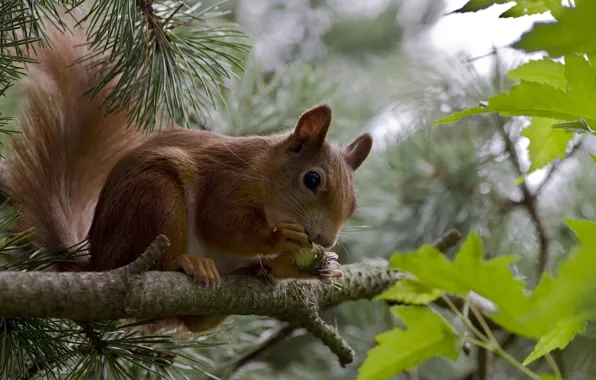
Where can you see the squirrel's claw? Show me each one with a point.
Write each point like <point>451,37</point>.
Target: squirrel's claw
<point>330,268</point>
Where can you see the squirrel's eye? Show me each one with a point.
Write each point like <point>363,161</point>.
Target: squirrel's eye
<point>312,180</point>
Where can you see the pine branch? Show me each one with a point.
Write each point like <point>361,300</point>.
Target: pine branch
<point>20,27</point>
<point>129,292</point>
<point>168,61</point>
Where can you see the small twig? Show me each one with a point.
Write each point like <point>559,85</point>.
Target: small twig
<point>152,353</point>
<point>483,359</point>
<point>322,330</point>
<point>144,262</point>
<point>507,341</point>
<point>146,8</point>
<point>448,240</point>
<point>91,335</point>
<point>528,199</point>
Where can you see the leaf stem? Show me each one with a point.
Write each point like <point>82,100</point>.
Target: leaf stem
<point>464,319</point>
<point>496,347</point>
<point>477,342</point>
<point>483,323</point>
<point>553,365</point>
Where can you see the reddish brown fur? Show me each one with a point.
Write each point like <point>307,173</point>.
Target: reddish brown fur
<point>67,147</point>
<point>78,173</point>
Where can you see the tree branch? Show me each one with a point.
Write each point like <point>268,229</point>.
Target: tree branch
<point>128,292</point>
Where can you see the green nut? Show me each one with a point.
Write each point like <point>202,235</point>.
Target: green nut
<point>309,259</point>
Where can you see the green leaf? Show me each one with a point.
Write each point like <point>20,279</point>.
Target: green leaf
<point>411,292</point>
<point>535,99</point>
<point>573,33</point>
<point>546,143</point>
<point>525,8</point>
<point>593,157</point>
<point>578,126</point>
<point>519,180</point>
<point>548,376</point>
<point>572,291</point>
<point>544,287</point>
<point>427,335</point>
<point>545,71</point>
<point>521,8</point>
<point>530,98</point>
<point>491,279</point>
<point>458,115</point>
<point>478,5</point>
<point>558,337</point>
<point>585,230</point>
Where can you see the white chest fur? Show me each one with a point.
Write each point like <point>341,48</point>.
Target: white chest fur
<point>224,262</point>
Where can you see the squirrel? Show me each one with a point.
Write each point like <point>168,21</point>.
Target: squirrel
<point>226,203</point>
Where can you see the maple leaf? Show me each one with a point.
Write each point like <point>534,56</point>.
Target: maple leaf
<point>558,337</point>
<point>411,292</point>
<point>470,272</point>
<point>427,335</point>
<point>546,144</point>
<point>536,96</point>
<point>545,71</point>
<point>520,8</point>
<point>572,33</point>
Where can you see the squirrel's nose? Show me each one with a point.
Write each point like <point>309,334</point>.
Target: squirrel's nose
<point>323,241</point>
<point>320,239</point>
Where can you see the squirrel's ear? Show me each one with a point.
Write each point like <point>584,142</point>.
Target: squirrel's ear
<point>358,150</point>
<point>313,125</point>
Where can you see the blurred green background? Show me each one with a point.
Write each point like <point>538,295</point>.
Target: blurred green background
<point>378,64</point>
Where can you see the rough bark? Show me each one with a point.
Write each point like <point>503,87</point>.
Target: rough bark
<point>133,291</point>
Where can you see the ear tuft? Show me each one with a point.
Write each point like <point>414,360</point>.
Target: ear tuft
<point>313,124</point>
<point>358,150</point>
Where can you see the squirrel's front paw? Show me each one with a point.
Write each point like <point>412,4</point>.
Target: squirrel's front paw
<point>199,268</point>
<point>329,268</point>
<point>289,236</point>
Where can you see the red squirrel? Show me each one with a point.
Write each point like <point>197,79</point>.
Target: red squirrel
<point>225,203</point>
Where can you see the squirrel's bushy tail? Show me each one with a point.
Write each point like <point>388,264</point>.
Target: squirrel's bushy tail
<point>67,145</point>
